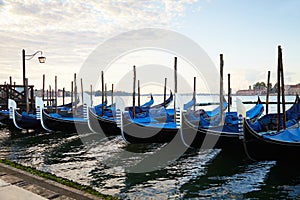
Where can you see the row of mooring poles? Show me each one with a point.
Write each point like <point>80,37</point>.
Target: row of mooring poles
<point>52,96</point>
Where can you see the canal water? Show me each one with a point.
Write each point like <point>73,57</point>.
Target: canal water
<point>196,174</point>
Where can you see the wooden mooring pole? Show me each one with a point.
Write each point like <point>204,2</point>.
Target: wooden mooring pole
<point>105,92</point>
<point>282,91</point>
<point>229,93</point>
<point>139,94</point>
<point>56,94</point>
<point>268,93</point>
<point>72,94</point>
<point>43,90</point>
<point>175,86</point>
<point>112,94</point>
<point>221,89</point>
<point>50,95</point>
<point>194,94</point>
<point>81,87</point>
<point>63,96</point>
<point>47,96</point>
<point>278,90</point>
<point>91,94</point>
<point>133,93</point>
<point>102,93</point>
<point>165,90</point>
<point>75,94</point>
<point>26,95</point>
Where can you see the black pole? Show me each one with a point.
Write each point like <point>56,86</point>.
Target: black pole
<point>165,90</point>
<point>282,91</point>
<point>72,93</point>
<point>26,96</point>
<point>75,94</point>
<point>175,86</point>
<point>278,90</point>
<point>63,96</point>
<point>139,94</point>
<point>102,93</point>
<point>133,93</point>
<point>221,88</point>
<point>194,94</point>
<point>268,93</point>
<point>50,95</point>
<point>112,94</point>
<point>229,93</point>
<point>81,87</point>
<point>55,86</point>
<point>23,62</point>
<point>43,91</point>
<point>105,92</point>
<point>47,96</point>
<point>91,94</point>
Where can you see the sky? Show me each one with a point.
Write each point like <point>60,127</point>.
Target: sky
<point>246,32</point>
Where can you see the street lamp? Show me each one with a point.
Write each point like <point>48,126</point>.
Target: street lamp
<point>41,58</point>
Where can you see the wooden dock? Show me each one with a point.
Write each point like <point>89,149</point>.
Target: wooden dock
<point>17,93</point>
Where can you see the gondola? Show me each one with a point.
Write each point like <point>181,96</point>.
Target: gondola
<point>155,125</point>
<point>272,145</point>
<point>26,121</point>
<point>262,141</point>
<point>63,120</point>
<point>148,129</point>
<point>23,120</point>
<point>202,133</point>
<point>107,123</point>
<point>57,122</point>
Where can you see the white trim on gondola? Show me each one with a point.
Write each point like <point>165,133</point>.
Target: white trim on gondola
<point>12,105</point>
<point>39,105</point>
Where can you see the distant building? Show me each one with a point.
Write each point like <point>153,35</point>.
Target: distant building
<point>245,92</point>
<point>250,92</point>
<point>292,89</point>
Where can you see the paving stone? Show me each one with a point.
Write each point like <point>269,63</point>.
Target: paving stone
<point>3,183</point>
<point>63,197</point>
<point>2,173</point>
<point>11,179</point>
<point>41,191</point>
<point>13,192</point>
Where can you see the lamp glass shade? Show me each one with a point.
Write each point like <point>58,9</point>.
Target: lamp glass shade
<point>42,59</point>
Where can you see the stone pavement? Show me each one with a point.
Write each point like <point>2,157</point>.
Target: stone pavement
<point>19,185</point>
<point>12,192</point>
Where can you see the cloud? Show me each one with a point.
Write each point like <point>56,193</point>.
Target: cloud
<point>36,16</point>
<point>67,31</point>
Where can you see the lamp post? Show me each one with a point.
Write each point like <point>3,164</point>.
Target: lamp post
<point>41,58</point>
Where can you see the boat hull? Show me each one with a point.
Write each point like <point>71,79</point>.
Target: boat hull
<point>137,133</point>
<point>27,122</point>
<point>4,119</point>
<point>70,126</point>
<point>213,137</point>
<point>101,125</point>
